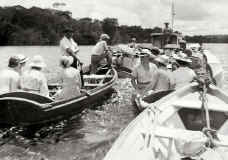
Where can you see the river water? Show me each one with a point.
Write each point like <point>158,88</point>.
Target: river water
<point>87,136</point>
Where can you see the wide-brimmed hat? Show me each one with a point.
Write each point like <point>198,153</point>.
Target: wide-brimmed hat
<point>163,59</point>
<point>144,53</point>
<point>22,58</point>
<point>181,59</point>
<point>16,60</point>
<point>37,61</point>
<point>104,37</point>
<point>66,61</point>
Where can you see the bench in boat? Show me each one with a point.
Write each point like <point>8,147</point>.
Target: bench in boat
<point>96,76</point>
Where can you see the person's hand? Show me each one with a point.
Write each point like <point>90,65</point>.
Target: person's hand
<point>70,51</point>
<point>77,50</point>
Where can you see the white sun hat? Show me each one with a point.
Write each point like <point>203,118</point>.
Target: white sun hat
<point>38,61</point>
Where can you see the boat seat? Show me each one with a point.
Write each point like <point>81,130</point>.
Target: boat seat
<point>182,134</point>
<point>96,76</point>
<point>197,105</point>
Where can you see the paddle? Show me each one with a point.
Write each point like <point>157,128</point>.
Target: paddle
<point>76,63</point>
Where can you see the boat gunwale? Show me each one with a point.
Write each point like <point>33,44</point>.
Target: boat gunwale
<point>62,103</point>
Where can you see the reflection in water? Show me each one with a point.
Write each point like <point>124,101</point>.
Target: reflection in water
<point>85,136</point>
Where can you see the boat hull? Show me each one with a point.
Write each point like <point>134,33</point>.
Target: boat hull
<point>21,108</point>
<point>154,133</point>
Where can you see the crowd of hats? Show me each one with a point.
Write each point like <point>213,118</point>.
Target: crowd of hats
<point>161,58</point>
<point>36,61</point>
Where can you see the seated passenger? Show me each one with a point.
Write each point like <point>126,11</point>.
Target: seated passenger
<point>183,75</point>
<point>9,77</point>
<point>71,80</point>
<point>34,80</point>
<point>165,79</point>
<point>144,75</point>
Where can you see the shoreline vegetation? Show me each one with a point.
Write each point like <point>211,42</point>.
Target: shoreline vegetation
<point>36,26</point>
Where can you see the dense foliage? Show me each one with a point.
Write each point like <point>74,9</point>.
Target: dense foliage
<point>207,39</point>
<point>36,26</point>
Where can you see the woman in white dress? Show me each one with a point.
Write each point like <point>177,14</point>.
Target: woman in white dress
<point>71,80</point>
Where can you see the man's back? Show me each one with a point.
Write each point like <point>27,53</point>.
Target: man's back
<point>143,75</point>
<point>165,80</point>
<point>9,80</point>
<point>99,48</point>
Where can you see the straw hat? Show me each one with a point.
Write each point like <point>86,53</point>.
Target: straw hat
<point>146,53</point>
<point>16,60</point>
<point>66,61</point>
<point>180,59</point>
<point>22,58</point>
<point>104,37</point>
<point>163,59</point>
<point>37,61</point>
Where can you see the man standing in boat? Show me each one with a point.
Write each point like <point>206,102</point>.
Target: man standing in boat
<point>69,47</point>
<point>100,52</point>
<point>132,44</point>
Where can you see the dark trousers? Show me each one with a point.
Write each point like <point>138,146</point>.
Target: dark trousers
<point>76,65</point>
<point>96,59</point>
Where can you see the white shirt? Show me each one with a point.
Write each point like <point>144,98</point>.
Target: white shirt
<point>68,43</point>
<point>34,81</point>
<point>100,48</point>
<point>9,80</point>
<point>146,79</point>
<point>144,76</point>
<point>183,76</point>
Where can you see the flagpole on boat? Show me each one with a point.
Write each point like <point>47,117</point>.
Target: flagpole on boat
<point>172,14</point>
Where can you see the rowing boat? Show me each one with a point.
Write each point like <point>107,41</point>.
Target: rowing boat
<point>23,108</point>
<point>143,103</point>
<point>190,123</point>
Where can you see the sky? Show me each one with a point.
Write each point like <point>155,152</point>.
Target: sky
<point>192,17</point>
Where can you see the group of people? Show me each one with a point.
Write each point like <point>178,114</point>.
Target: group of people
<point>19,76</point>
<point>99,52</point>
<point>169,70</point>
<point>16,77</point>
<point>156,72</point>
<point>72,76</point>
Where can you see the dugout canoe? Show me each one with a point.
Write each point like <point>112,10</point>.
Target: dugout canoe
<point>175,127</point>
<point>23,108</point>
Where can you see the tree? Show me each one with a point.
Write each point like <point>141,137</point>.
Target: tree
<point>109,26</point>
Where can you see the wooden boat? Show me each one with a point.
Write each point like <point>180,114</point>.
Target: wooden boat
<point>23,108</point>
<point>174,40</point>
<point>151,98</point>
<point>190,123</point>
